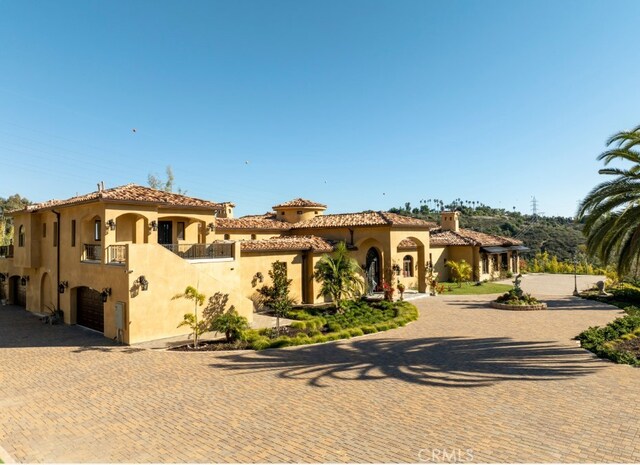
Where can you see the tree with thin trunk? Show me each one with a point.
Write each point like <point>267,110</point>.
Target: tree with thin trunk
<point>198,327</point>
<point>611,211</point>
<point>277,295</point>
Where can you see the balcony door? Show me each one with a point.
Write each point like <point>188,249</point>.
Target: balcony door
<point>165,232</point>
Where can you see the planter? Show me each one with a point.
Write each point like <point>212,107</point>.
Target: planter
<point>540,306</point>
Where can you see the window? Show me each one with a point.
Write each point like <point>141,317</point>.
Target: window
<point>181,230</point>
<point>485,264</point>
<point>21,236</point>
<point>55,234</point>
<point>97,230</point>
<point>226,237</point>
<point>73,233</point>
<point>44,230</point>
<point>430,260</point>
<point>407,266</point>
<point>299,212</point>
<point>253,237</point>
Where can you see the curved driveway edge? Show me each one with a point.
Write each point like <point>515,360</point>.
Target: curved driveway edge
<point>5,457</point>
<point>464,381</point>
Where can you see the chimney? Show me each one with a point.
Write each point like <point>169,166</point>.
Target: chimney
<point>450,221</point>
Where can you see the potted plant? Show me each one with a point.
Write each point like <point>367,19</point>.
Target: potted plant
<point>401,289</point>
<point>388,291</point>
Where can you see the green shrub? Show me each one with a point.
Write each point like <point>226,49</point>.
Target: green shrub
<point>601,341</point>
<point>355,332</point>
<point>261,343</point>
<point>319,338</point>
<point>382,327</point>
<point>333,336</point>
<point>334,326</point>
<point>344,334</point>
<point>299,325</point>
<point>282,341</point>
<point>392,325</point>
<point>314,333</point>
<point>251,335</point>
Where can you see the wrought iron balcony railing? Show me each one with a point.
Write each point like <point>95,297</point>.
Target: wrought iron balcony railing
<point>202,251</point>
<point>92,253</point>
<point>6,251</point>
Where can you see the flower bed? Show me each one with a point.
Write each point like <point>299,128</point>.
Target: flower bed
<point>618,341</point>
<point>323,325</point>
<point>522,307</point>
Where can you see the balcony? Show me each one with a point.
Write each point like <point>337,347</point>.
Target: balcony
<point>117,254</point>
<point>92,253</point>
<point>6,251</point>
<point>217,250</point>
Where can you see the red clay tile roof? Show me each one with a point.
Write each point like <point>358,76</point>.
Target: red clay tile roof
<point>442,237</point>
<point>132,193</point>
<point>288,243</point>
<point>260,222</point>
<point>343,220</point>
<point>300,203</point>
<point>407,244</point>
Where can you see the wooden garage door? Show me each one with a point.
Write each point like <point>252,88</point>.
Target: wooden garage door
<point>20,292</point>
<point>90,309</point>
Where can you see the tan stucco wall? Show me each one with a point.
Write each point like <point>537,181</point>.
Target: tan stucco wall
<point>155,313</point>
<point>253,263</point>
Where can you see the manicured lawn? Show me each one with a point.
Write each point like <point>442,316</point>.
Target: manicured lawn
<point>472,288</point>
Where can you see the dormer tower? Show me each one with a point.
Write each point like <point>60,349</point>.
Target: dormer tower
<point>297,210</point>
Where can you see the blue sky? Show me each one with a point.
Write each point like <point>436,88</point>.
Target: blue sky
<point>356,104</point>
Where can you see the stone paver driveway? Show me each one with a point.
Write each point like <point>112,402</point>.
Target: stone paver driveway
<point>465,382</point>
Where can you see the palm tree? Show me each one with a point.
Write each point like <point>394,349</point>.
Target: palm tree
<point>339,275</point>
<point>611,211</point>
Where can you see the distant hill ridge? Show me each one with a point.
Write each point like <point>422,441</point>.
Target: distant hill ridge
<point>557,235</point>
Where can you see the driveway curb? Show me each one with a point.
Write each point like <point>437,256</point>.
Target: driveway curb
<point>5,457</point>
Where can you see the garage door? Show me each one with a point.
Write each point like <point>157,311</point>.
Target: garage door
<point>20,292</point>
<point>90,309</point>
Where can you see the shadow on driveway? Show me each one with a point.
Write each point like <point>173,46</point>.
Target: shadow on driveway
<point>20,328</point>
<point>448,362</point>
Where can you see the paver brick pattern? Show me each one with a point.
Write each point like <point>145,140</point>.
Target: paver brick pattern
<point>505,386</point>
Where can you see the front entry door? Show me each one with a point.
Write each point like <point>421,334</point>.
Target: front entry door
<point>165,232</point>
<point>373,270</point>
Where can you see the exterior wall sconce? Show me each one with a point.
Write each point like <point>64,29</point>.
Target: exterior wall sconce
<point>211,227</point>
<point>3,277</point>
<point>143,283</point>
<point>106,292</point>
<point>24,280</point>
<point>62,286</point>
<point>111,225</point>
<point>153,225</point>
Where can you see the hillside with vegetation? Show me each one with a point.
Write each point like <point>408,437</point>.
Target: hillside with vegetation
<point>557,236</point>
<point>13,202</point>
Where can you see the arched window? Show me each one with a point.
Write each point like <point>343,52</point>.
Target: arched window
<point>226,237</point>
<point>21,236</point>
<point>407,266</point>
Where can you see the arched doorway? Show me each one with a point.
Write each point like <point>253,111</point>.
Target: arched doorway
<point>90,309</point>
<point>17,292</point>
<point>373,266</point>
<point>46,300</point>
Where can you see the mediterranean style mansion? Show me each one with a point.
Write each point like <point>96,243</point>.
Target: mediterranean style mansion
<point>114,260</point>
